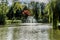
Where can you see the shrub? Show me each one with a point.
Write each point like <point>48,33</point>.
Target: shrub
<point>2,19</point>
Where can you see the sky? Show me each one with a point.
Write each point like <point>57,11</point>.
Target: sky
<point>45,1</point>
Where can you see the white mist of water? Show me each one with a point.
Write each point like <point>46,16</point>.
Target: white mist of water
<point>31,19</point>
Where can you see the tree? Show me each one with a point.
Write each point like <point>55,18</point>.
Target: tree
<point>58,9</point>
<point>10,14</point>
<point>56,12</point>
<point>25,12</point>
<point>3,11</point>
<point>35,9</point>
<point>42,8</point>
<point>32,6</point>
<point>17,10</point>
<point>18,14</point>
<point>49,12</point>
<point>13,12</point>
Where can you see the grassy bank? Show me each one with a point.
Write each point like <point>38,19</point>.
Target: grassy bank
<point>56,34</point>
<point>13,21</point>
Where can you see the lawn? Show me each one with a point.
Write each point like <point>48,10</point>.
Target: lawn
<point>56,34</point>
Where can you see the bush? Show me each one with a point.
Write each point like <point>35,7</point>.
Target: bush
<point>2,19</point>
<point>18,14</point>
<point>10,14</point>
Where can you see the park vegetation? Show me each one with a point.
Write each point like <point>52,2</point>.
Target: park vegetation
<point>45,13</point>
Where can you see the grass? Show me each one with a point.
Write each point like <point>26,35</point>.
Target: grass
<point>13,21</point>
<point>56,34</point>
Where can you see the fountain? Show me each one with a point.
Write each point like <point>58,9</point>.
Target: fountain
<point>31,19</point>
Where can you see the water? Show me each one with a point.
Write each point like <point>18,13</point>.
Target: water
<point>28,32</point>
<point>31,19</point>
<point>10,33</point>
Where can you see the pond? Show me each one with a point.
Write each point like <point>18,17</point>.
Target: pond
<point>26,31</point>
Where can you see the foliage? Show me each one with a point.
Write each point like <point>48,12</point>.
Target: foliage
<point>10,14</point>
<point>17,6</point>
<point>13,14</point>
<point>4,8</point>
<point>18,14</point>
<point>56,11</point>
<point>35,9</point>
<point>3,11</point>
<point>2,19</point>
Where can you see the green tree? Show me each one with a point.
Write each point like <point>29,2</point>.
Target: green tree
<point>35,9</point>
<point>49,12</point>
<point>18,14</point>
<point>56,11</point>
<point>3,11</point>
<point>12,14</point>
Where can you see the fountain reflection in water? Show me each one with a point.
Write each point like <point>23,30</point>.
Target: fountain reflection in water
<point>10,33</point>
